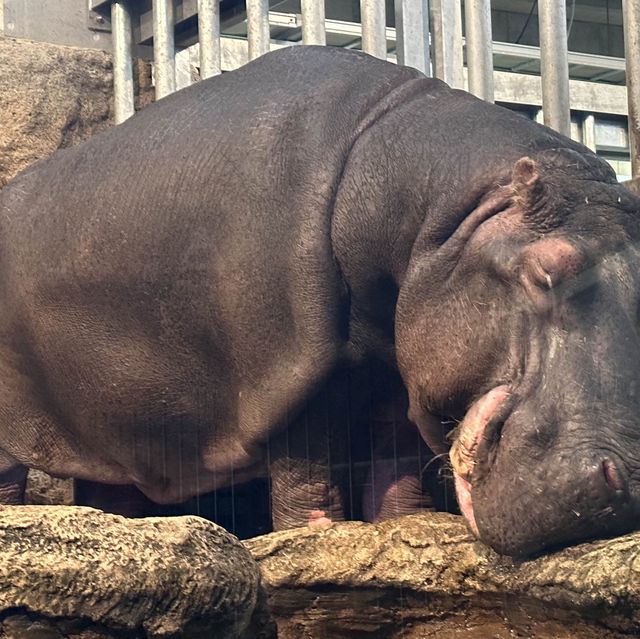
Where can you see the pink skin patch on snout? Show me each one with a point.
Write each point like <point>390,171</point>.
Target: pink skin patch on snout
<point>464,449</point>
<point>463,494</point>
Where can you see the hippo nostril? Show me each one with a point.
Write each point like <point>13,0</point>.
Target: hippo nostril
<point>612,475</point>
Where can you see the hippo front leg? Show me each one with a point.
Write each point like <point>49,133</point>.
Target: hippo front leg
<point>307,469</point>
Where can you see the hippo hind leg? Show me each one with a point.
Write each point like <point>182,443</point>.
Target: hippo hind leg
<point>403,477</point>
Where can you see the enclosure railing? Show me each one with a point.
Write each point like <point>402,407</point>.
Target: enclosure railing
<point>428,37</point>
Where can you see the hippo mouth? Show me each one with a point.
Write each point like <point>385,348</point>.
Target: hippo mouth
<point>480,428</point>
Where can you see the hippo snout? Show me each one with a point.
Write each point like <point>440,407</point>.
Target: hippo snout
<point>538,481</point>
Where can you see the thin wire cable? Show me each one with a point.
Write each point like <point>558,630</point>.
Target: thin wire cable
<point>534,4</point>
<point>573,13</point>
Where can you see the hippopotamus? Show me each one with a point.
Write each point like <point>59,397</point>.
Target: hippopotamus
<point>180,293</point>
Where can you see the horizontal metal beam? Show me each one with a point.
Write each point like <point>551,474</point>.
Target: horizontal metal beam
<point>338,27</point>
<point>527,52</point>
<point>517,88</point>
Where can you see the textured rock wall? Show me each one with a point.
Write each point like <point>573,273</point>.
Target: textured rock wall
<point>52,97</point>
<point>425,576</point>
<point>77,573</point>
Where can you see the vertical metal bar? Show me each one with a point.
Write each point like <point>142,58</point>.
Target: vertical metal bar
<point>589,131</point>
<point>631,20</point>
<point>209,37</point>
<point>122,62</point>
<point>313,31</point>
<point>374,28</point>
<point>258,32</point>
<point>446,32</point>
<point>554,64</point>
<point>163,48</point>
<point>479,46</point>
<point>412,34</point>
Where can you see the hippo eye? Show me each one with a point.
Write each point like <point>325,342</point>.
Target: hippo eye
<point>580,288</point>
<point>584,295</point>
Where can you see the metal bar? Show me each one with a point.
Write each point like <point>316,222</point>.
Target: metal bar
<point>446,32</point>
<point>412,34</point>
<point>605,75</point>
<point>479,46</point>
<point>122,63</point>
<point>374,22</point>
<point>163,48</point>
<point>313,31</point>
<point>554,64</point>
<point>258,32</point>
<point>631,20</point>
<point>589,131</point>
<point>209,37</point>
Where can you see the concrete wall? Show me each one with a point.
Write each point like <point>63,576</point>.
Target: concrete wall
<point>67,22</point>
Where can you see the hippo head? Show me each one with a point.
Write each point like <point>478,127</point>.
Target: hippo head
<point>521,328</point>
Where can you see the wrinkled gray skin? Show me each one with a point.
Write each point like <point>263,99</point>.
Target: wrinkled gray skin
<point>177,290</point>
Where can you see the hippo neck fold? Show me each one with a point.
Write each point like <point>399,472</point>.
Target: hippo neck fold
<point>408,184</point>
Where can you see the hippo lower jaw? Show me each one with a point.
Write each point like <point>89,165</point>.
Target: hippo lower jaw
<point>464,451</point>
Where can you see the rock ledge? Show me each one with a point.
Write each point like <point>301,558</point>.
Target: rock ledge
<point>425,576</point>
<point>77,572</point>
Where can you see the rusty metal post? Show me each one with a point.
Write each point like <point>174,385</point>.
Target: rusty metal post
<point>313,31</point>
<point>446,32</point>
<point>123,94</point>
<point>631,20</point>
<point>164,53</point>
<point>209,37</point>
<point>589,131</point>
<point>479,46</point>
<point>554,64</point>
<point>258,32</point>
<point>374,28</point>
<point>412,34</point>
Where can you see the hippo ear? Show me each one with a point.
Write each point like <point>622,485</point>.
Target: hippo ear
<point>525,182</point>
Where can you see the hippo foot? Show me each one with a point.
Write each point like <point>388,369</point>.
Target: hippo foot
<point>304,493</point>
